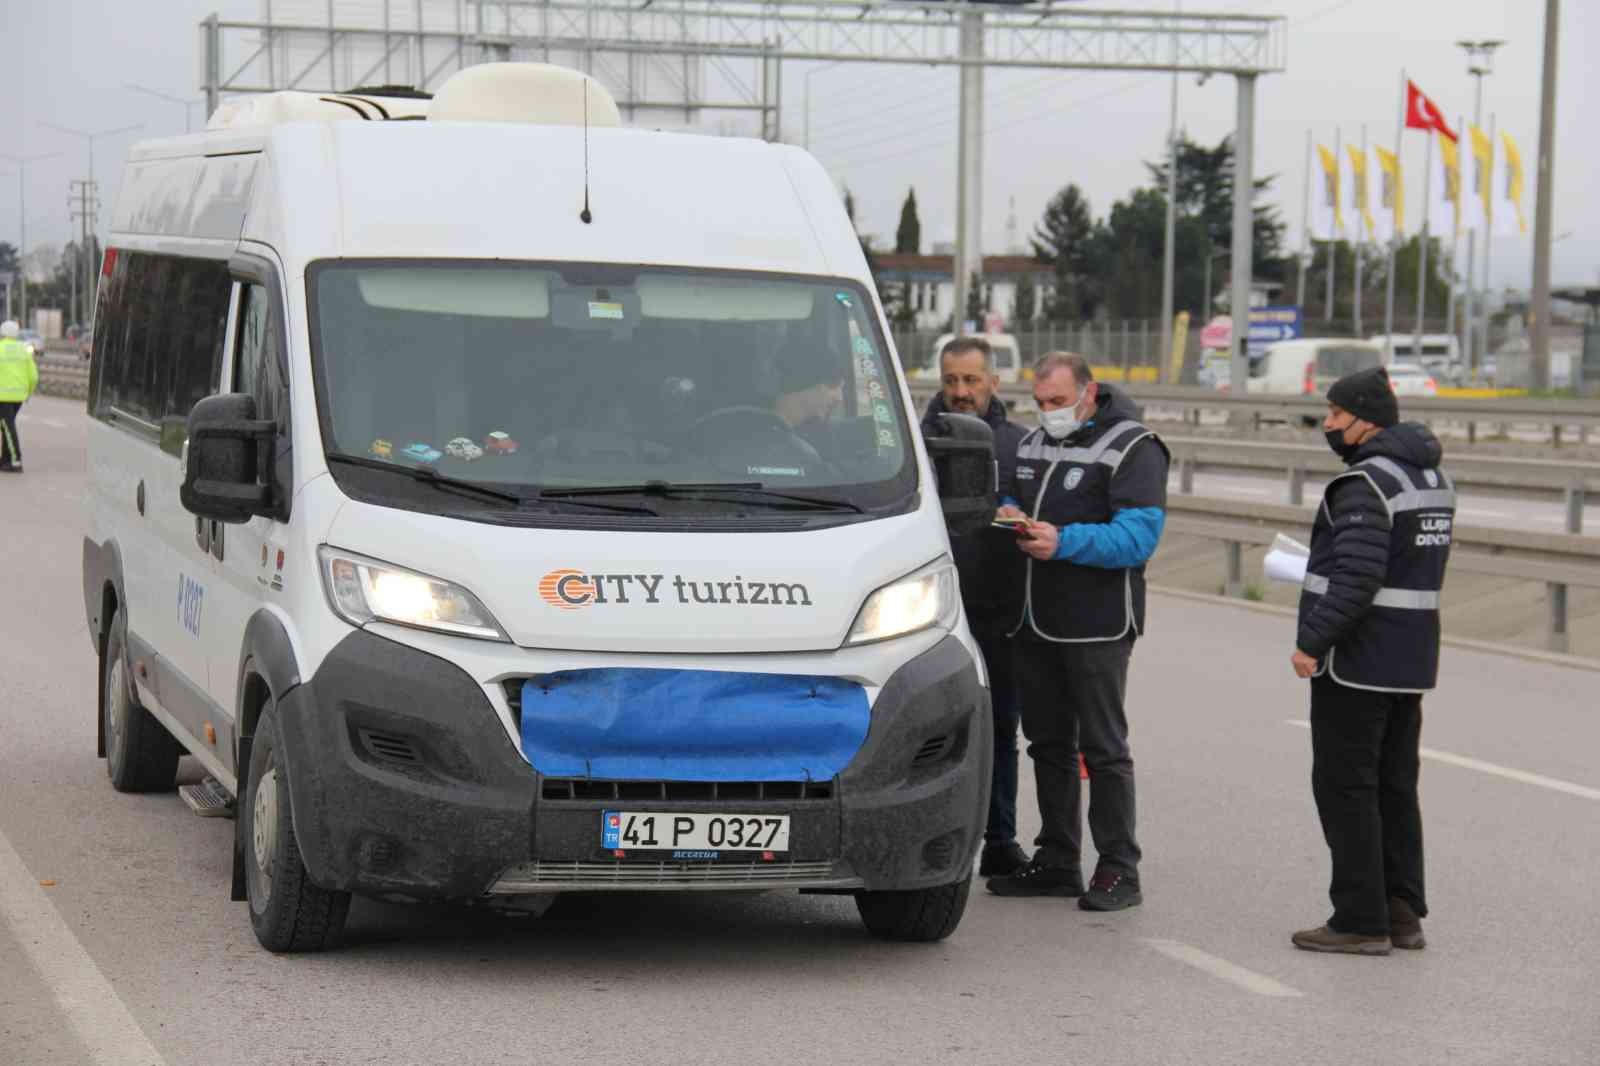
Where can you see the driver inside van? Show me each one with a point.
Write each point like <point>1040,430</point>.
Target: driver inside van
<point>789,437</point>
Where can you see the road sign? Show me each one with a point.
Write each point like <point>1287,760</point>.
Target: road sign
<point>1269,325</point>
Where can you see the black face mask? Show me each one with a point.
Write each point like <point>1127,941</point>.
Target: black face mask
<point>1336,441</point>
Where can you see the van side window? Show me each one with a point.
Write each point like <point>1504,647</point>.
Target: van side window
<point>158,338</point>
<point>259,363</point>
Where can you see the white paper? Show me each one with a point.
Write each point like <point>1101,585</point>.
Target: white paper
<point>1286,560</point>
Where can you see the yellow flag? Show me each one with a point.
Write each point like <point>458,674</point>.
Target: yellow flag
<point>1388,199</point>
<point>1507,199</point>
<point>1359,226</point>
<point>1475,205</point>
<point>1325,220</point>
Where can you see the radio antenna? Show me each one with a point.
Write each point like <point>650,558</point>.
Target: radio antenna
<point>585,214</point>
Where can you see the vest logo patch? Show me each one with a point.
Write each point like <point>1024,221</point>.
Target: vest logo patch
<point>1431,477</point>
<point>1024,473</point>
<point>1074,476</point>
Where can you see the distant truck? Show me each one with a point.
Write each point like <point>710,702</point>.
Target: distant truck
<point>1439,353</point>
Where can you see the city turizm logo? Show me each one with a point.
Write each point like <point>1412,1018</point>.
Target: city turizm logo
<point>569,589</point>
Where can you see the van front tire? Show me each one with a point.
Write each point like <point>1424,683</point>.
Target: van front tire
<point>141,756</point>
<point>921,915</point>
<point>287,910</point>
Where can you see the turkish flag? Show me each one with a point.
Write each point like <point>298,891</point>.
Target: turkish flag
<point>1422,113</point>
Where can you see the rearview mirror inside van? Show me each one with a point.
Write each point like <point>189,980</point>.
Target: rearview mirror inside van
<point>222,474</point>
<point>963,463</point>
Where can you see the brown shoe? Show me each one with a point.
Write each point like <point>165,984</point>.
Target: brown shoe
<point>1405,928</point>
<point>1324,939</point>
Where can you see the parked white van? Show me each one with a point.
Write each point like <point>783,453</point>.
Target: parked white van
<point>1439,353</point>
<point>497,503</point>
<point>1307,366</point>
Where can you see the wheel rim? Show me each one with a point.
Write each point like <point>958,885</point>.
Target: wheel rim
<point>116,706</point>
<point>264,827</point>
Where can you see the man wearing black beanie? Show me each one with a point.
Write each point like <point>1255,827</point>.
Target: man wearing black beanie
<point>1368,640</point>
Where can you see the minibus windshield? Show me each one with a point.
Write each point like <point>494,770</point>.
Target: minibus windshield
<point>552,381</point>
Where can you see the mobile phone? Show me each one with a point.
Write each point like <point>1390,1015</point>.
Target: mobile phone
<point>1015,522</point>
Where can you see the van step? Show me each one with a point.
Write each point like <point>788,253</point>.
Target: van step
<point>208,799</point>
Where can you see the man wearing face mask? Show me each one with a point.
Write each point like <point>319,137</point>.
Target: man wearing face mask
<point>991,571</point>
<point>1368,639</point>
<point>1091,484</point>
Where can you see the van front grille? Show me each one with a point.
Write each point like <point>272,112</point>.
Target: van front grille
<point>581,788</point>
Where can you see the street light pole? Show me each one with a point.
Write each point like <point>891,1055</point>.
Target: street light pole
<point>1169,255</point>
<point>1480,61</point>
<point>22,226</point>
<point>1540,309</point>
<point>188,104</point>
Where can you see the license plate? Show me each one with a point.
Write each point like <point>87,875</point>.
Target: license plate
<point>679,831</point>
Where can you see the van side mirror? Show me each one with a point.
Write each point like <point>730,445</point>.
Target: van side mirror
<point>964,465</point>
<point>222,475</point>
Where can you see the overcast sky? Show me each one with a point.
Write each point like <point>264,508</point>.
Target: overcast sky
<point>882,129</point>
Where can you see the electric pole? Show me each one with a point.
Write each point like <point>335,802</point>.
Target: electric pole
<point>22,162</point>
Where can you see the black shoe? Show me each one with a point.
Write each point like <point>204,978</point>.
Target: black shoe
<point>1110,891</point>
<point>1035,879</point>
<point>17,469</point>
<point>1001,860</point>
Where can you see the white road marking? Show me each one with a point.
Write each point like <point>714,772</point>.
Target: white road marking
<point>97,1014</point>
<point>1469,763</point>
<point>1249,980</point>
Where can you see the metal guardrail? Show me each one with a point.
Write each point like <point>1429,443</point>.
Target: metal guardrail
<point>1575,480</point>
<point>59,378</point>
<point>1557,559</point>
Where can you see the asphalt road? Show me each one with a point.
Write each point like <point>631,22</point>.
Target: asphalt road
<point>118,944</point>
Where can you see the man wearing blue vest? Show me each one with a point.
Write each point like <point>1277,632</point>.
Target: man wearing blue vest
<point>1368,639</point>
<point>1092,484</point>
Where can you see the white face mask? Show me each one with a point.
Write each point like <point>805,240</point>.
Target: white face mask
<point>1061,423</point>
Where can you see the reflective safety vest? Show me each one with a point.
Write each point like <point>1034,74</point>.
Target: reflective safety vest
<point>1395,645</point>
<point>19,375</point>
<point>1062,484</point>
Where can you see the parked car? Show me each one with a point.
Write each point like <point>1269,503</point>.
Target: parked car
<point>1439,353</point>
<point>1409,379</point>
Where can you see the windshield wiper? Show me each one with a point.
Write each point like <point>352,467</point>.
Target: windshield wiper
<point>688,490</point>
<point>429,475</point>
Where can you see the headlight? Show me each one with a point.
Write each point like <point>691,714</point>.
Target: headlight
<point>364,590</point>
<point>926,598</point>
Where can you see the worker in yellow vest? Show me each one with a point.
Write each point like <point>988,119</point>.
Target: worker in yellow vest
<point>19,375</point>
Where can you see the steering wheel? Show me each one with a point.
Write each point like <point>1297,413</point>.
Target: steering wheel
<point>721,431</point>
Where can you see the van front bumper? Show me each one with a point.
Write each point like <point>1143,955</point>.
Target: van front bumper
<point>406,786</point>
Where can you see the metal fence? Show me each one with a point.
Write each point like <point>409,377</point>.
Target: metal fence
<point>1123,343</point>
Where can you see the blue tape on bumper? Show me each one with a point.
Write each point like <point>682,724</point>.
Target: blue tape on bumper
<point>691,725</point>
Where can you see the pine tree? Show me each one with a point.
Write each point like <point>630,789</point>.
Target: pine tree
<point>1064,238</point>
<point>908,237</point>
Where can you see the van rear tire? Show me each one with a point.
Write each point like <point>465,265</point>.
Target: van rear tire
<point>922,915</point>
<point>141,756</point>
<point>288,911</point>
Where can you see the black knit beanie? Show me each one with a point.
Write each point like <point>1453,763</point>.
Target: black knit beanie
<point>1367,394</point>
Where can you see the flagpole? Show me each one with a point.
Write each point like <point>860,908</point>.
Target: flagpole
<point>1394,229</point>
<point>1305,231</point>
<point>1467,365</point>
<point>1422,258</point>
<point>1333,230</point>
<point>1488,242</point>
<point>1358,197</point>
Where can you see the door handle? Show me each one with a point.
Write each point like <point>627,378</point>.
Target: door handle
<point>138,498</point>
<point>216,539</point>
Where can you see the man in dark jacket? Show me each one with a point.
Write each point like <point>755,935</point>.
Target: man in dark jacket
<point>1368,638</point>
<point>991,572</point>
<point>1092,484</point>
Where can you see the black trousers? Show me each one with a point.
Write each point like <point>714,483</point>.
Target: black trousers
<point>999,656</point>
<point>1072,702</point>
<point>1364,768</point>
<point>10,446</point>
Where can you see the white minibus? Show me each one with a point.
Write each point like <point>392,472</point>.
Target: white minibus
<point>498,502</point>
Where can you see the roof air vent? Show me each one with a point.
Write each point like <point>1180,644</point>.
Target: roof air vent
<point>535,93</point>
